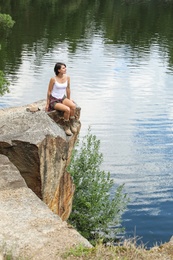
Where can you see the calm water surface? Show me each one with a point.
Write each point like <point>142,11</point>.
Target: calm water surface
<point>123,82</point>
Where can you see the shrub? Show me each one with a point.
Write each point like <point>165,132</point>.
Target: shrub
<point>94,209</point>
<point>6,22</point>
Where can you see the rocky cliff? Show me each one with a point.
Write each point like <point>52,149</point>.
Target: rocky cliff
<point>36,190</point>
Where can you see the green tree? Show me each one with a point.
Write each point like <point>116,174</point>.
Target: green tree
<point>94,209</point>
<point>6,23</point>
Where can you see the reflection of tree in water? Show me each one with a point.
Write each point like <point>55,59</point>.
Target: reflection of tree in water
<point>6,23</point>
<point>139,24</point>
<point>40,25</point>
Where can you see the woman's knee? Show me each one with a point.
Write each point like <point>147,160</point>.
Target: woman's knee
<point>69,103</point>
<point>73,106</point>
<point>67,110</point>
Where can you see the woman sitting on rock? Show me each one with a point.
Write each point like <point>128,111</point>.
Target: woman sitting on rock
<point>58,97</point>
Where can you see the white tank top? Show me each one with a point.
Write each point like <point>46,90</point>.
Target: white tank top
<point>59,89</point>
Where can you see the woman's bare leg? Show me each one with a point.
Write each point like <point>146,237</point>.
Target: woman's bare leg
<point>68,107</point>
<point>71,105</point>
<point>64,108</point>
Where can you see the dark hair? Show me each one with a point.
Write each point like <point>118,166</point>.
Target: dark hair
<point>58,67</point>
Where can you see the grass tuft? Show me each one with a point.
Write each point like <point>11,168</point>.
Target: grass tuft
<point>128,251</point>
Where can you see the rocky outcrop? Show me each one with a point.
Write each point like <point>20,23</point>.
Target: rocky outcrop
<point>35,142</point>
<point>28,228</point>
<point>36,190</point>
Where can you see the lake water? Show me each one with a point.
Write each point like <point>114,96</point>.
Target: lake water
<point>119,56</point>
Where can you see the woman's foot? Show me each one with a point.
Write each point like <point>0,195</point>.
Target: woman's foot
<point>67,127</point>
<point>72,125</point>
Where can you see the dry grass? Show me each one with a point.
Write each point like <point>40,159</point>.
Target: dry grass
<point>127,251</point>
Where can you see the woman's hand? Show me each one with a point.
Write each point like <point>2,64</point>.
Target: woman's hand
<point>46,108</point>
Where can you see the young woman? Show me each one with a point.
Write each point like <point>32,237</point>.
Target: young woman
<point>58,97</point>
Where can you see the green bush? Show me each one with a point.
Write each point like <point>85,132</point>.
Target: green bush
<point>6,22</point>
<point>94,209</point>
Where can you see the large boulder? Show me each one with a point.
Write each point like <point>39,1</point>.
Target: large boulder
<point>28,228</point>
<point>35,142</point>
<point>36,191</point>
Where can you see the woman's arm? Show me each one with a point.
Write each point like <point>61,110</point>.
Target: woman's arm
<point>68,87</point>
<point>51,82</point>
